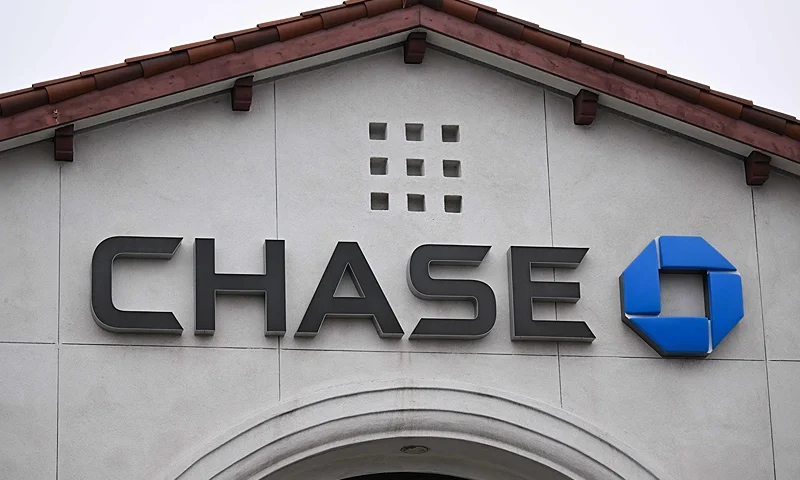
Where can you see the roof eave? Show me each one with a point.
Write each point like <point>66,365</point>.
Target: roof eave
<point>367,34</point>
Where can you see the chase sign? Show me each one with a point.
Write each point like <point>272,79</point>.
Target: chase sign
<point>639,288</point>
<point>640,292</point>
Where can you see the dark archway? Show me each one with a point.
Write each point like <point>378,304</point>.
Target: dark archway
<point>405,476</point>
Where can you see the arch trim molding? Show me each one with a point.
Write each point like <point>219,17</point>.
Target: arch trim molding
<point>345,415</point>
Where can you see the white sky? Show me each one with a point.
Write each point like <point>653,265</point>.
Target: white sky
<point>749,49</point>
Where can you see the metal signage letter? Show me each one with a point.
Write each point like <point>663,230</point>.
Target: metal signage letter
<point>371,302</point>
<point>105,313</point>
<point>271,284</point>
<point>522,291</point>
<point>480,294</point>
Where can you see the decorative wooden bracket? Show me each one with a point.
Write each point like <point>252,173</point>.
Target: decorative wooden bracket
<point>62,140</point>
<point>584,107</point>
<point>414,47</point>
<point>242,94</point>
<point>756,168</point>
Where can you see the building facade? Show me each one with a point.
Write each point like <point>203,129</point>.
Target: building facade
<point>355,163</point>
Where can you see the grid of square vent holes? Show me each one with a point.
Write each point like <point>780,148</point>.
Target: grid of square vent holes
<point>415,167</point>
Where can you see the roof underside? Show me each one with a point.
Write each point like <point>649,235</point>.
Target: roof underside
<point>31,114</point>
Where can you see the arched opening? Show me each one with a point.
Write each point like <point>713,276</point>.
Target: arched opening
<point>375,428</point>
<point>417,458</point>
<point>405,476</point>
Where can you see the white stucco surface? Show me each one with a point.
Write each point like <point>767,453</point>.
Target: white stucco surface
<point>28,399</point>
<point>784,395</point>
<point>126,412</point>
<point>195,171</point>
<point>777,225</point>
<point>29,195</point>
<point>706,419</point>
<point>297,167</point>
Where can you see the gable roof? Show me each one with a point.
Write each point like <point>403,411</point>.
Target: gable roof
<point>64,101</point>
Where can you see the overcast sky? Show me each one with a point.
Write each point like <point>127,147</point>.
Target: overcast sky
<point>750,49</point>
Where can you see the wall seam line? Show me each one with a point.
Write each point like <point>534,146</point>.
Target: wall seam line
<point>552,237</point>
<point>275,151</point>
<point>275,174</point>
<point>58,321</point>
<point>17,342</point>
<point>763,333</point>
<point>428,352</point>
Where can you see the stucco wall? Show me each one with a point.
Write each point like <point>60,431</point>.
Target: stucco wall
<point>93,404</point>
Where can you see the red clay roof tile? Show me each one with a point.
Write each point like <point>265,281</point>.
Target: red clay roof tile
<point>223,36</point>
<point>777,114</point>
<point>147,57</point>
<point>518,20</point>
<point>546,41</point>
<point>255,39</point>
<point>311,13</point>
<point>72,88</point>
<point>57,80</point>
<point>479,5</point>
<point>290,30</point>
<point>378,7</point>
<point>16,92</point>
<point>279,22</point>
<point>165,63</point>
<point>645,66</point>
<point>561,36</point>
<point>634,73</point>
<point>460,9</point>
<point>114,77</point>
<point>340,16</point>
<point>211,50</point>
<point>793,130</point>
<point>86,73</point>
<point>23,101</point>
<point>604,51</point>
<point>741,100</point>
<point>501,25</point>
<point>763,120</point>
<point>699,85</point>
<point>720,104</point>
<point>187,46</point>
<point>678,89</point>
<point>591,57</point>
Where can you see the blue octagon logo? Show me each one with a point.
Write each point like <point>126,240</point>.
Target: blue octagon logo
<point>640,290</point>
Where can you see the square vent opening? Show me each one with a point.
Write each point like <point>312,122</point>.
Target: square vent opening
<point>452,203</point>
<point>414,132</point>
<point>451,168</point>
<point>377,131</point>
<point>450,133</point>
<point>415,167</point>
<point>416,202</point>
<point>378,165</point>
<point>379,201</point>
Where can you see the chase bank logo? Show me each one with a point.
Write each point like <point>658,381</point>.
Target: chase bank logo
<point>640,291</point>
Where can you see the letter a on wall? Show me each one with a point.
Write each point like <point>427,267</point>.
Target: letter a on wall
<point>371,302</point>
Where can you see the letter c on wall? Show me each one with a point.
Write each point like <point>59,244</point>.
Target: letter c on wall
<point>105,313</point>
